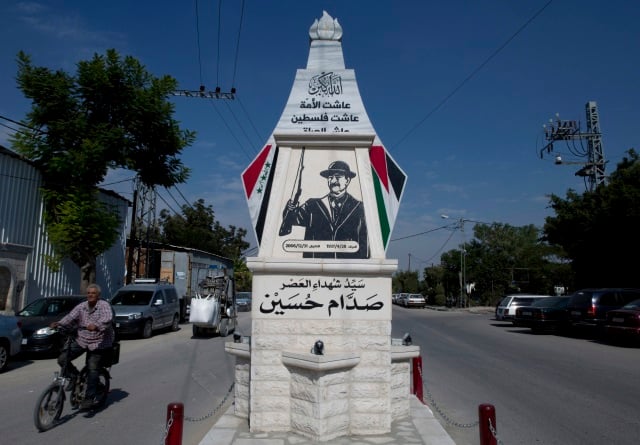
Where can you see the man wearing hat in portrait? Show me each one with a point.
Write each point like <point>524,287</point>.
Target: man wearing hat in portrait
<point>337,216</point>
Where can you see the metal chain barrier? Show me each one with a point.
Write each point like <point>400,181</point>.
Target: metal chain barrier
<point>213,411</point>
<point>440,412</point>
<point>166,429</point>
<point>494,432</point>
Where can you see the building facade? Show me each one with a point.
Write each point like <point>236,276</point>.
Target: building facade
<point>24,246</point>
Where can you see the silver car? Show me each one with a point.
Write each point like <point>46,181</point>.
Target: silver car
<point>10,339</point>
<point>506,310</point>
<point>414,300</point>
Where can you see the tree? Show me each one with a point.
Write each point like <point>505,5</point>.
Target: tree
<point>597,227</point>
<point>501,259</point>
<point>433,284</point>
<point>405,281</point>
<point>197,228</point>
<point>111,114</point>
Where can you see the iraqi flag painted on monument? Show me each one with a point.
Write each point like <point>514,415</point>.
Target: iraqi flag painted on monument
<point>257,180</point>
<point>388,184</point>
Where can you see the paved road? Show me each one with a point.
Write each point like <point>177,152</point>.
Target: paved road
<point>546,389</point>
<point>152,373</point>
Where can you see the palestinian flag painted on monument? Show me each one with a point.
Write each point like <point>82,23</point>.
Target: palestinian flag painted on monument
<point>257,180</point>
<point>388,185</point>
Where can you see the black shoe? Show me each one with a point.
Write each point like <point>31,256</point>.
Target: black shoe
<point>71,383</point>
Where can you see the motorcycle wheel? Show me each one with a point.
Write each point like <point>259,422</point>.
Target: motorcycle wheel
<point>49,407</point>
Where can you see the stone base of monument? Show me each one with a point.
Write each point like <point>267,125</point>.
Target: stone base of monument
<point>326,396</point>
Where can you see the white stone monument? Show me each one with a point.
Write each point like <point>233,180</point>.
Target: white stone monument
<point>323,195</point>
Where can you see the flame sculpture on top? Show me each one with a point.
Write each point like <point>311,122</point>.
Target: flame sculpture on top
<point>325,29</point>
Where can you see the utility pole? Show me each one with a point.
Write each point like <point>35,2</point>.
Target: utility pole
<point>569,131</point>
<point>463,265</point>
<point>143,218</point>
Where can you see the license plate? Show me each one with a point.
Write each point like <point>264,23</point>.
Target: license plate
<point>24,341</point>
<point>618,320</point>
<point>575,312</point>
<point>117,325</point>
<point>526,313</point>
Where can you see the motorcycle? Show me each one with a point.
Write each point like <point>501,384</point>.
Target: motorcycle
<point>51,402</point>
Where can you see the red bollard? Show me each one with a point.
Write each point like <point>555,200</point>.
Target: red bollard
<point>175,418</point>
<point>417,378</point>
<point>487,415</point>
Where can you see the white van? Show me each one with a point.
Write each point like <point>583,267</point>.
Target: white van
<point>506,310</point>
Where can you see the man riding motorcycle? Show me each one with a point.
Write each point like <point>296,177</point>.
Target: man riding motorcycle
<point>94,322</point>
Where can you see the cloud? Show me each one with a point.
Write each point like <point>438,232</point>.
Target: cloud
<point>71,28</point>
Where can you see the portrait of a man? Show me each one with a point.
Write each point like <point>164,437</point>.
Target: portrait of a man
<point>336,216</point>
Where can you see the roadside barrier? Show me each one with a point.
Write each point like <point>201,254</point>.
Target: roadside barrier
<point>175,413</point>
<point>417,388</point>
<point>486,412</point>
<point>487,416</point>
<point>175,418</point>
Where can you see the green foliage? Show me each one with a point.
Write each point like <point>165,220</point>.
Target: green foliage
<point>596,228</point>
<point>406,281</point>
<point>112,113</point>
<point>499,259</point>
<point>242,276</point>
<point>197,228</point>
<point>81,226</point>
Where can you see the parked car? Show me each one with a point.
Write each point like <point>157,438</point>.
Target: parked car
<point>243,301</point>
<point>498,305</point>
<point>507,308</point>
<point>35,318</point>
<point>144,307</point>
<point>400,298</point>
<point>545,314</point>
<point>414,300</point>
<point>624,323</point>
<point>588,307</point>
<point>10,339</point>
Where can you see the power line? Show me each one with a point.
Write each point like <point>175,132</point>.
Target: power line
<point>224,121</point>
<point>235,63</point>
<point>21,125</point>
<point>165,201</point>
<point>249,119</point>
<point>198,43</point>
<point>218,53</point>
<point>425,232</point>
<point>240,125</point>
<point>473,73</point>
<point>174,199</point>
<point>118,182</point>
<point>185,199</point>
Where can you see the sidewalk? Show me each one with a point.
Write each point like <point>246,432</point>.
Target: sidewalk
<point>421,428</point>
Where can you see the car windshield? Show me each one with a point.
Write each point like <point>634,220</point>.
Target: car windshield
<point>132,298</point>
<point>36,309</point>
<point>635,304</point>
<point>523,301</point>
<point>48,306</point>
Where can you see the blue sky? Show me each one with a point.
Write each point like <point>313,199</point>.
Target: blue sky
<point>457,91</point>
